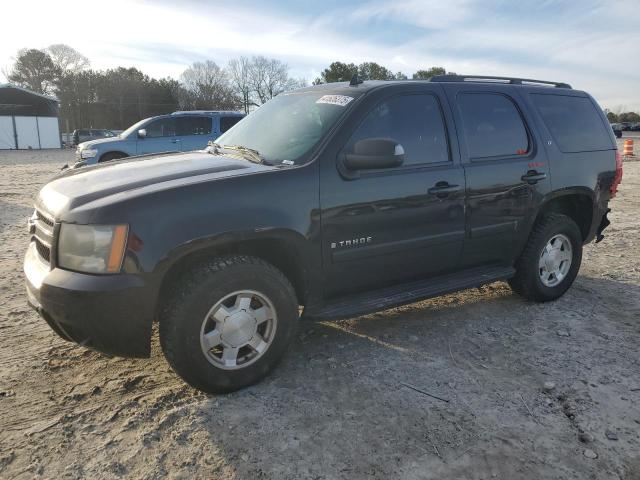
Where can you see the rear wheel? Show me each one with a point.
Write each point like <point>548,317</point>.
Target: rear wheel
<point>228,323</point>
<point>550,261</point>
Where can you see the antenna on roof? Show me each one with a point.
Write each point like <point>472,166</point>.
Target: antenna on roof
<point>355,81</point>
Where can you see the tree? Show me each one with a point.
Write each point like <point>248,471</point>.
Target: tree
<point>240,76</point>
<point>632,117</point>
<point>67,59</point>
<point>294,83</point>
<point>337,72</point>
<point>343,72</point>
<point>432,72</point>
<point>76,92</point>
<point>121,93</point>
<point>35,70</point>
<point>206,86</point>
<point>115,98</point>
<point>612,117</point>
<point>268,78</point>
<point>373,71</point>
<point>259,79</point>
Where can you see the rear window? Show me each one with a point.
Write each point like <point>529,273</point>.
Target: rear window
<point>574,122</point>
<point>227,122</point>
<point>492,126</point>
<point>186,126</point>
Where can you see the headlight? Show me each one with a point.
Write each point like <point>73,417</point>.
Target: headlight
<point>92,248</point>
<point>89,153</point>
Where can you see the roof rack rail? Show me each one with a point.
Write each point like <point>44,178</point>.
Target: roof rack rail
<point>490,78</point>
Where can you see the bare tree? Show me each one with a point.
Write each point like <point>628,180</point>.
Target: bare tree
<point>207,87</point>
<point>294,83</point>
<point>240,76</point>
<point>67,59</point>
<point>268,78</point>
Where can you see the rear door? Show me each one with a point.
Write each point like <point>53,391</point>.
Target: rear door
<point>161,137</point>
<point>194,132</point>
<point>505,167</point>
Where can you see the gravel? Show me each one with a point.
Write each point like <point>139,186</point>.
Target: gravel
<point>336,407</point>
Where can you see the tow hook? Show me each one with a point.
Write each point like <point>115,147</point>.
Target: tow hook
<point>604,223</point>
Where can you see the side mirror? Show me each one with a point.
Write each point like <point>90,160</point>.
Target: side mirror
<point>142,133</point>
<point>374,153</point>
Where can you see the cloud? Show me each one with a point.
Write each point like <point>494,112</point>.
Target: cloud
<point>430,14</point>
<point>588,44</point>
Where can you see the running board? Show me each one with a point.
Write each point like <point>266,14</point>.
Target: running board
<point>389,297</point>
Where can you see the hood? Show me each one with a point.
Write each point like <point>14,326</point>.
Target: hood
<point>93,143</point>
<point>138,176</point>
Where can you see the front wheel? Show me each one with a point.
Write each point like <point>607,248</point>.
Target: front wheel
<point>551,259</point>
<point>228,323</point>
<point>109,157</point>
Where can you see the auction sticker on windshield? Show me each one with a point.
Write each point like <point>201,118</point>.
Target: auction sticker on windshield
<point>341,100</point>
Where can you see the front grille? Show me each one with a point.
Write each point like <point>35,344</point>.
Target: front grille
<point>46,220</point>
<point>43,250</point>
<point>43,228</point>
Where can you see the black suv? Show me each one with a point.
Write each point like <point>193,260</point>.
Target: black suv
<point>343,199</point>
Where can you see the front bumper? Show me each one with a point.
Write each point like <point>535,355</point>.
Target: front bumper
<point>109,313</point>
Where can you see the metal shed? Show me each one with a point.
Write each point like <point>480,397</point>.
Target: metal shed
<point>28,120</point>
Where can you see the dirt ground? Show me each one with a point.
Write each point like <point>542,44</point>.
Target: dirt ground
<point>338,407</point>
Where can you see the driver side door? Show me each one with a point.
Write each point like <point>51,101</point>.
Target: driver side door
<point>161,137</point>
<point>394,225</point>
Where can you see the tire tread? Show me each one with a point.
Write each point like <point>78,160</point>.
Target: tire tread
<point>171,311</point>
<point>523,282</point>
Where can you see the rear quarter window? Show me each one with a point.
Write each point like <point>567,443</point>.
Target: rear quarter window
<point>574,122</point>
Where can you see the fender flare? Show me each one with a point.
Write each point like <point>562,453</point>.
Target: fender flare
<point>299,246</point>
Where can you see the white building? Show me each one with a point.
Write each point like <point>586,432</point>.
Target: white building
<point>28,120</point>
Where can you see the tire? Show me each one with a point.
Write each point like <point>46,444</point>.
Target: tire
<point>194,314</point>
<point>107,157</point>
<point>536,283</point>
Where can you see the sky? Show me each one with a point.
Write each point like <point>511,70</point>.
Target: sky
<point>592,44</point>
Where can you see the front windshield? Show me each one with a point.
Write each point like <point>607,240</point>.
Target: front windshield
<point>133,128</point>
<point>288,126</point>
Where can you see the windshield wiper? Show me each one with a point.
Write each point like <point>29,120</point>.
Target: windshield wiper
<point>214,148</point>
<point>253,155</point>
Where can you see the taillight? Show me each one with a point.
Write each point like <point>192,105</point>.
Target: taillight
<point>618,177</point>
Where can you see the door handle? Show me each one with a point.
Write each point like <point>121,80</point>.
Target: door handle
<point>175,140</point>
<point>533,176</point>
<point>443,189</point>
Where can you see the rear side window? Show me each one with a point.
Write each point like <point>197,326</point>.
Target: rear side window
<point>193,126</point>
<point>492,126</point>
<point>574,122</point>
<point>227,122</point>
<point>414,121</point>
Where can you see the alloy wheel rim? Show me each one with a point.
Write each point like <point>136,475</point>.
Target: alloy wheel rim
<point>238,329</point>
<point>555,260</point>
